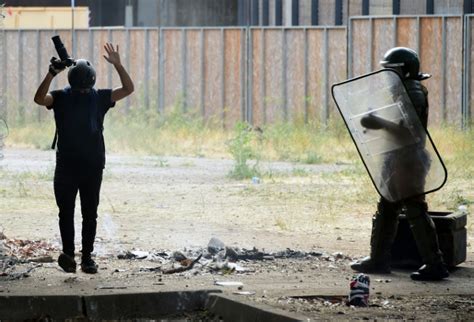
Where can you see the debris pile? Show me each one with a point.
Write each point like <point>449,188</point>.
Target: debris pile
<point>30,250</point>
<point>19,251</point>
<point>217,258</point>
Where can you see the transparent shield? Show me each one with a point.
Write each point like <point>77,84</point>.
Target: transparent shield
<point>3,129</point>
<point>395,147</point>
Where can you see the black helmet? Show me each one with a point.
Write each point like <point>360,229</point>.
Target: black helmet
<point>81,75</point>
<point>404,60</point>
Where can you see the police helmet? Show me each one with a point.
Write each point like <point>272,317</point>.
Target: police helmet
<point>81,75</point>
<point>404,60</point>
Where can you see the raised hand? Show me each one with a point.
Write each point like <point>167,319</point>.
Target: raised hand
<point>113,54</point>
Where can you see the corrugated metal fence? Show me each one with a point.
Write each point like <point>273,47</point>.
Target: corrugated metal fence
<point>257,74</point>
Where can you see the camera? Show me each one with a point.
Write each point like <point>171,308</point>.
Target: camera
<point>64,59</point>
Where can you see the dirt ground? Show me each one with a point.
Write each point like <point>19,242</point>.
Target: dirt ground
<point>167,204</point>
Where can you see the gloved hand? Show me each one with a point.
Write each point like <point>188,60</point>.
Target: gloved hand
<point>372,122</point>
<point>56,66</point>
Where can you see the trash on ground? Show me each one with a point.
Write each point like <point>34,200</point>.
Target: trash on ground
<point>359,290</point>
<point>187,266</point>
<point>244,293</point>
<point>107,287</point>
<point>228,283</point>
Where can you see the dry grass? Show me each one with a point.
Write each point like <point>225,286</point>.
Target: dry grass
<point>148,133</point>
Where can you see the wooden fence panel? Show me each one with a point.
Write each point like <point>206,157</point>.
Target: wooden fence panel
<point>438,40</point>
<point>264,75</point>
<point>234,86</point>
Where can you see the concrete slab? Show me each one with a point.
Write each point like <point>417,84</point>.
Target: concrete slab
<point>41,307</point>
<point>230,308</point>
<point>144,305</point>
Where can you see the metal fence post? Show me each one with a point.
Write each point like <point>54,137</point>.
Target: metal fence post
<point>91,45</point>
<point>147,69</point>
<point>371,41</point>
<point>242,70</point>
<point>21,107</point>
<point>250,76</point>
<point>306,67</point>
<point>349,49</point>
<point>223,115</point>
<point>264,77</point>
<point>38,68</point>
<point>184,71</point>
<point>284,74</point>
<point>466,92</point>
<point>109,66</point>
<point>4,113</point>
<point>203,82</point>
<point>127,41</point>
<point>395,31</point>
<point>443,69</point>
<point>418,35</point>
<point>325,115</point>
<point>161,66</point>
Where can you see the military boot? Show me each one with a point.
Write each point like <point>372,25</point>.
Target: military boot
<point>424,233</point>
<point>384,230</point>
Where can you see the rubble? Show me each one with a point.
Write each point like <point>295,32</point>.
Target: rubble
<point>186,265</point>
<point>27,249</point>
<point>215,245</point>
<point>217,258</point>
<point>19,251</point>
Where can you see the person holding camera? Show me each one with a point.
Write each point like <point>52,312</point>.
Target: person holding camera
<point>79,111</point>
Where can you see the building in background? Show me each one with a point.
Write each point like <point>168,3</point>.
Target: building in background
<point>45,17</point>
<point>173,13</point>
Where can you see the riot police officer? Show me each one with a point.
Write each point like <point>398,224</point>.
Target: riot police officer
<point>406,63</point>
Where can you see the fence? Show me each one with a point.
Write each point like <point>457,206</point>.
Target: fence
<point>257,74</point>
<point>214,71</point>
<point>439,43</point>
<point>468,75</point>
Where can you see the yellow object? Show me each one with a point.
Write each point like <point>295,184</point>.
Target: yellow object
<point>44,17</point>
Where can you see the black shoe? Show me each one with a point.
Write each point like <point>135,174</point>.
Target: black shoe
<point>368,265</point>
<point>67,263</point>
<point>88,266</point>
<point>429,272</point>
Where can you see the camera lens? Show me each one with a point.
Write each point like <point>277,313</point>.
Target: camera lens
<point>58,44</point>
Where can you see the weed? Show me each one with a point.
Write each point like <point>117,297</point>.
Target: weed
<point>280,223</point>
<point>242,150</point>
<point>162,163</point>
<point>300,172</point>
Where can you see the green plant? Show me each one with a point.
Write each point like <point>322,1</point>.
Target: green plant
<point>280,223</point>
<point>242,150</point>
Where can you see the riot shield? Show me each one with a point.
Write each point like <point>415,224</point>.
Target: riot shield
<point>394,146</point>
<point>3,129</point>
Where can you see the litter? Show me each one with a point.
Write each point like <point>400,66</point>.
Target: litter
<point>228,283</point>
<point>243,293</point>
<point>188,266</point>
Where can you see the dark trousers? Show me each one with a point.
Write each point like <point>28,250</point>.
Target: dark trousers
<point>68,180</point>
